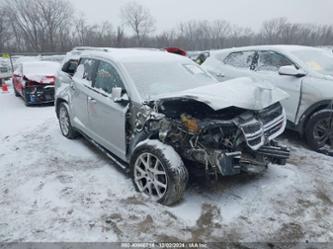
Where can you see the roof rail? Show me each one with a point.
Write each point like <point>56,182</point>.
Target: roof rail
<point>91,49</point>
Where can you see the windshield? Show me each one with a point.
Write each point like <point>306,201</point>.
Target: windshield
<point>159,78</point>
<point>317,60</point>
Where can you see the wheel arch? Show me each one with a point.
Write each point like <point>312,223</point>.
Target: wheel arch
<point>321,105</point>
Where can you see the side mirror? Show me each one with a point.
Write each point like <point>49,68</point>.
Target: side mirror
<point>292,71</point>
<point>118,96</point>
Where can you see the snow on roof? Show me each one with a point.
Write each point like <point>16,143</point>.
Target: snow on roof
<point>126,55</point>
<point>281,48</point>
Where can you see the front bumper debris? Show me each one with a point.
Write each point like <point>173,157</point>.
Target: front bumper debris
<point>40,95</point>
<point>234,163</point>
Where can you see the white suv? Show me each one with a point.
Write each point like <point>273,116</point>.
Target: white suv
<point>159,115</point>
<point>305,73</point>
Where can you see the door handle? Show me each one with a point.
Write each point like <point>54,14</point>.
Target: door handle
<point>221,75</point>
<point>91,100</point>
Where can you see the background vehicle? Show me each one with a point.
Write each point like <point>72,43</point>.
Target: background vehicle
<point>305,73</point>
<point>5,69</point>
<point>151,111</point>
<point>176,51</point>
<point>34,81</point>
<point>199,56</point>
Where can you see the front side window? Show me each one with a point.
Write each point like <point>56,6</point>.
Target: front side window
<point>241,59</point>
<point>272,61</point>
<point>86,70</point>
<point>107,78</point>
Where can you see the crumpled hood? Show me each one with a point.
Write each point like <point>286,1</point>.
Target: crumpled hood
<point>244,93</point>
<point>40,78</point>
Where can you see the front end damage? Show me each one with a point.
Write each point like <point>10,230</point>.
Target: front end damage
<point>39,92</point>
<point>224,142</point>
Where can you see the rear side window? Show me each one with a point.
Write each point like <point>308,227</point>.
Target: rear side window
<point>107,77</point>
<point>272,61</point>
<point>86,70</point>
<point>70,67</point>
<point>242,59</point>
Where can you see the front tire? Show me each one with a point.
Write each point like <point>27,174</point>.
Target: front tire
<point>158,172</point>
<point>65,123</point>
<point>27,104</point>
<point>16,92</point>
<point>319,130</point>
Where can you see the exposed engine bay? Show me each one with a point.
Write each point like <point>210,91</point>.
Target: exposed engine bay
<point>225,142</point>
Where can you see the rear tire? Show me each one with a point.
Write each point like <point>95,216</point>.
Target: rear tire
<point>66,128</point>
<point>158,172</point>
<point>319,130</point>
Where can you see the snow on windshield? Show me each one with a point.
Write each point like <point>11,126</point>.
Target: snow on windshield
<point>40,68</point>
<point>158,78</point>
<point>317,60</point>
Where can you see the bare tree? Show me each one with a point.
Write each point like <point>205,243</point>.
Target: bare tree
<point>56,15</point>
<point>39,22</point>
<point>5,32</point>
<point>139,19</point>
<point>120,37</point>
<point>272,30</point>
<point>52,25</point>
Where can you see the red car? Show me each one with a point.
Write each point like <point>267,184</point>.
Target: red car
<point>176,51</point>
<point>35,81</point>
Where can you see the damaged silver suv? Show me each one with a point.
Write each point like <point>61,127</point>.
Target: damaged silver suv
<point>159,115</point>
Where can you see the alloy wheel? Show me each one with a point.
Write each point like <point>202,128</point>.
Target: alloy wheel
<point>64,120</point>
<point>323,132</point>
<point>150,176</point>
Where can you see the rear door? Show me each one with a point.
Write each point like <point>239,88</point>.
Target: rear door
<point>107,119</point>
<point>80,88</point>
<point>267,68</point>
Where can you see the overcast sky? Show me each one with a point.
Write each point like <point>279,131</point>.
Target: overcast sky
<point>249,13</point>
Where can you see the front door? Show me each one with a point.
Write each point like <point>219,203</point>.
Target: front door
<point>107,119</point>
<point>267,68</point>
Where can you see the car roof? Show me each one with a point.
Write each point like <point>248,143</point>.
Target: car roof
<point>127,55</point>
<point>279,48</point>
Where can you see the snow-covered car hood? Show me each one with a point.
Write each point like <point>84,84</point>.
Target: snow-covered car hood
<point>41,78</point>
<point>244,93</point>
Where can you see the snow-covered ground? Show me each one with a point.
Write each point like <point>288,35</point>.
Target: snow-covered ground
<point>54,189</point>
